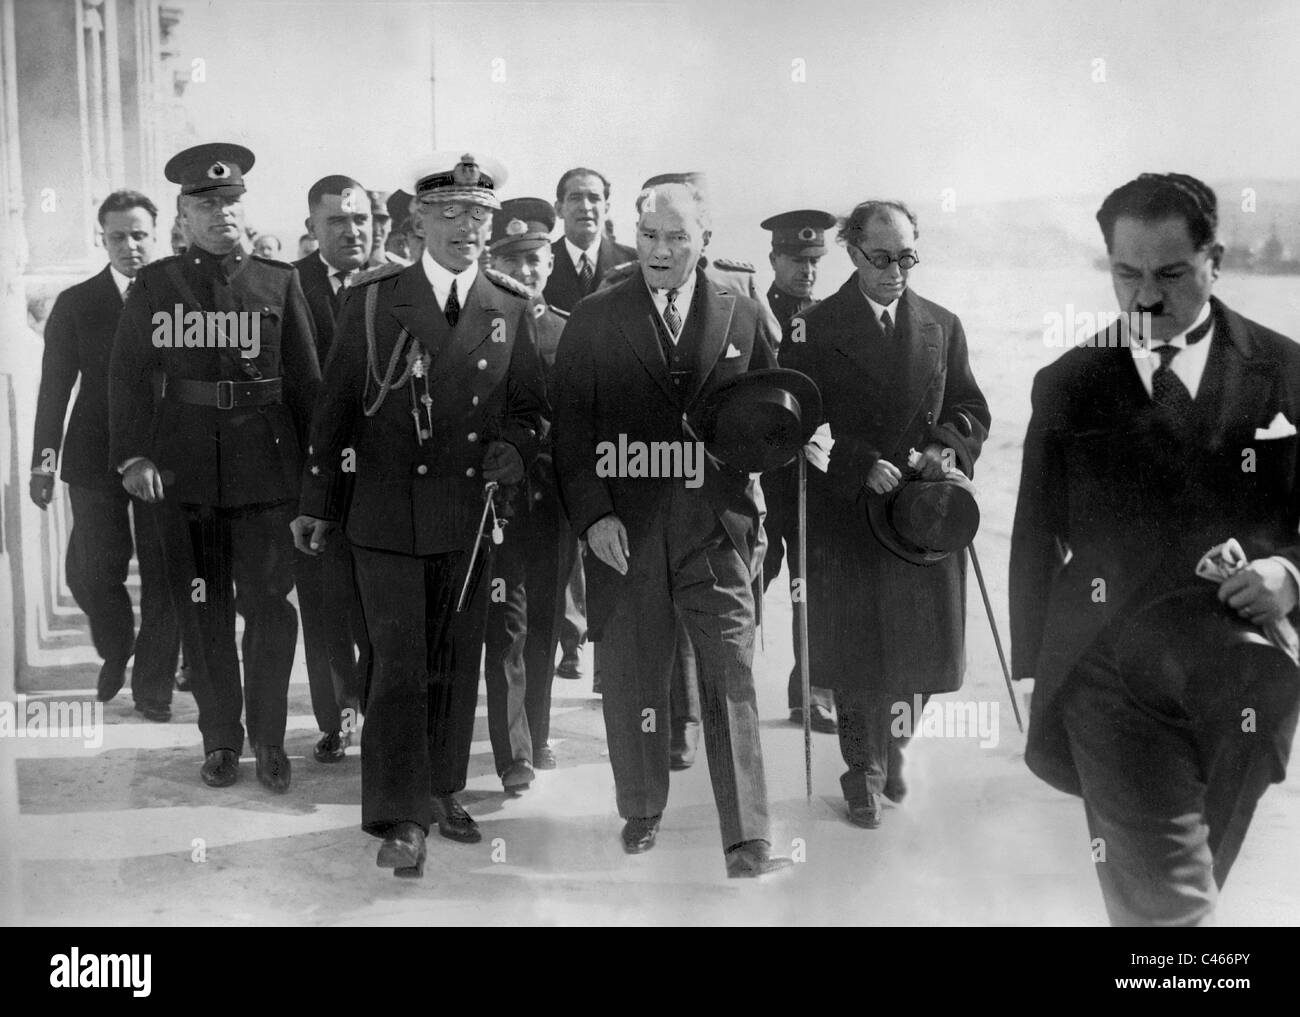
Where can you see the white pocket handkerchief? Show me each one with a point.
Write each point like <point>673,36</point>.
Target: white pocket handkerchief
<point>1278,427</point>
<point>733,352</point>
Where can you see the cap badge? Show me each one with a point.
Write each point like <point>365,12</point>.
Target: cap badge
<point>465,172</point>
<point>218,171</point>
<point>807,233</point>
<point>516,227</point>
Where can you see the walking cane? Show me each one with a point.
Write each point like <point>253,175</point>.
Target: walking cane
<point>801,614</point>
<point>997,640</point>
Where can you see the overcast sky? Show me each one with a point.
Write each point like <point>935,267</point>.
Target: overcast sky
<point>993,100</point>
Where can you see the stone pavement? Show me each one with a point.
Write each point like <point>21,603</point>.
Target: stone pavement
<point>126,834</point>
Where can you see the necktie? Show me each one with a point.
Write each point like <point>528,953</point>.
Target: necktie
<point>452,310</point>
<point>886,325</point>
<point>1168,390</point>
<point>672,317</point>
<point>585,273</point>
<point>127,292</point>
<point>336,301</point>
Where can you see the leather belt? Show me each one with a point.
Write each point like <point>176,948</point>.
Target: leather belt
<point>224,395</point>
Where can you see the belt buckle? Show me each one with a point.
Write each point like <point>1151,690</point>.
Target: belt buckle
<point>229,402</point>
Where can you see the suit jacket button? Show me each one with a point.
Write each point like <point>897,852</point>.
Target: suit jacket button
<point>474,401</point>
<point>929,417</point>
<point>422,469</point>
<point>469,472</point>
<point>472,436</point>
<point>482,365</point>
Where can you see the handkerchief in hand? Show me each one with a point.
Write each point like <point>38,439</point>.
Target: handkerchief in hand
<point>818,449</point>
<point>1218,563</point>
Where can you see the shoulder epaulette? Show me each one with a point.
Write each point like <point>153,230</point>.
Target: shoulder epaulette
<point>506,283</point>
<point>375,274</point>
<point>727,265</point>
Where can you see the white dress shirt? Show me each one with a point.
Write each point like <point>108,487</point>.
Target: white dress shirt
<point>336,277</point>
<point>441,278</point>
<point>879,309</point>
<point>1188,366</point>
<point>576,253</point>
<point>121,281</point>
<point>682,301</point>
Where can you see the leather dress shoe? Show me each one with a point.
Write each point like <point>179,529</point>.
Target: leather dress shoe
<point>331,747</point>
<point>518,776</point>
<point>822,720</point>
<point>639,834</point>
<point>220,768</point>
<point>454,822</point>
<point>569,668</point>
<point>865,811</point>
<point>753,858</point>
<point>403,851</point>
<point>183,679</point>
<point>544,758</point>
<point>272,767</point>
<point>112,676</point>
<point>151,711</point>
<point>684,744</point>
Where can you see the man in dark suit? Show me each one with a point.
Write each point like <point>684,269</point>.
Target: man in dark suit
<point>1167,434</point>
<point>333,625</point>
<point>229,337</point>
<point>895,377</point>
<point>79,343</point>
<point>798,244</point>
<point>584,254</point>
<point>433,390</point>
<point>537,558</point>
<point>635,361</point>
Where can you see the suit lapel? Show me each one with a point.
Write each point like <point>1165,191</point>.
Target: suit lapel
<point>565,275</point>
<point>1236,382</point>
<point>921,341</point>
<point>859,330</point>
<point>416,309</point>
<point>479,310</point>
<point>713,311</point>
<point>637,324</point>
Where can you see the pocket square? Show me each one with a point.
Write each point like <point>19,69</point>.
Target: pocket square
<point>1278,427</point>
<point>733,352</point>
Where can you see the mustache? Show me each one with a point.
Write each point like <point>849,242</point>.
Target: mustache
<point>1154,310</point>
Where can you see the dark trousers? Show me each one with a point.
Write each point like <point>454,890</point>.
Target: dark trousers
<point>1168,803</point>
<point>684,566</point>
<point>333,632</point>
<point>98,560</point>
<point>244,558</point>
<point>424,686</point>
<point>523,628</point>
<point>794,687</point>
<point>573,626</point>
<point>872,738</point>
<point>684,697</point>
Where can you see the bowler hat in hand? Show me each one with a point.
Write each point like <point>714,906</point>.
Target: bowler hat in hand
<point>924,521</point>
<point>760,420</point>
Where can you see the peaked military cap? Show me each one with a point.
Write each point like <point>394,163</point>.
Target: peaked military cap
<point>801,233</point>
<point>216,168</point>
<point>462,176</point>
<point>524,224</point>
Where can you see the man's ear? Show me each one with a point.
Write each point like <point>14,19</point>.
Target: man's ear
<point>559,210</point>
<point>771,259</point>
<point>1216,257</point>
<point>708,234</point>
<point>311,231</point>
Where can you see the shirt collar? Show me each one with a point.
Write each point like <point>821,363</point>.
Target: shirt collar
<point>441,278</point>
<point>879,309</point>
<point>1180,340</point>
<point>120,281</point>
<point>576,252</point>
<point>685,293</point>
<point>330,269</point>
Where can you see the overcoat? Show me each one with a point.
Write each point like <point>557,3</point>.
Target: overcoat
<point>876,621</point>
